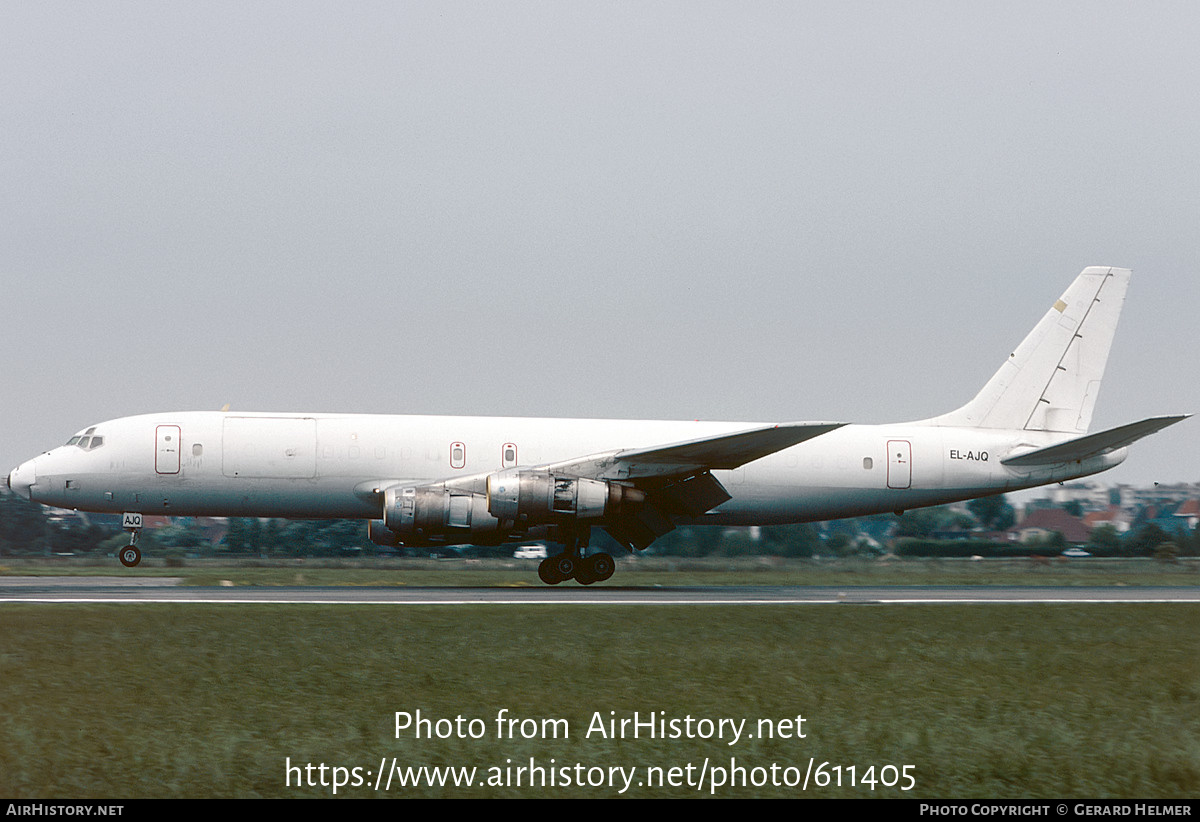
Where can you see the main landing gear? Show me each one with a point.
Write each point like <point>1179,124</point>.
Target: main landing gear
<point>130,555</point>
<point>584,570</point>
<point>571,564</point>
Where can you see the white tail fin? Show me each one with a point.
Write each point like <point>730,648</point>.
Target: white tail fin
<point>1051,381</point>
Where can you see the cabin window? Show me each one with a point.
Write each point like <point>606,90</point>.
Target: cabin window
<point>508,455</point>
<point>868,463</point>
<point>197,449</point>
<point>458,455</point>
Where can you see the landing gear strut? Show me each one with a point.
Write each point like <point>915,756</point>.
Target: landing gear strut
<point>571,564</point>
<point>130,555</point>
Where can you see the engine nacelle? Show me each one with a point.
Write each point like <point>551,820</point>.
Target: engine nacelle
<point>430,515</point>
<point>517,501</point>
<point>534,497</point>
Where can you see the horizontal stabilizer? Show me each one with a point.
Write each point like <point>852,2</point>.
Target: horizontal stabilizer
<point>1094,445</point>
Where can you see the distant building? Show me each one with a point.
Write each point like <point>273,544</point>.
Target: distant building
<point>1112,516</point>
<point>1172,517</point>
<point>1091,495</point>
<point>1166,492</point>
<point>1041,522</point>
<point>1189,512</point>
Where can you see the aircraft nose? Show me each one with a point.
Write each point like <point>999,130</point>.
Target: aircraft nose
<point>21,480</point>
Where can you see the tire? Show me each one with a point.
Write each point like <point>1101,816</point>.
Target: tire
<point>548,571</point>
<point>601,566</point>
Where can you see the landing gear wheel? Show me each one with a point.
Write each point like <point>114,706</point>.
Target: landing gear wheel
<point>548,572</point>
<point>585,575</point>
<point>130,556</point>
<point>601,566</point>
<point>566,566</point>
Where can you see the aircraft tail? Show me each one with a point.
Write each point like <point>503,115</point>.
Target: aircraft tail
<point>1050,382</point>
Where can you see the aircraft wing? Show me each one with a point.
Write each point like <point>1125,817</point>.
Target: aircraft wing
<point>666,482</point>
<point>720,452</point>
<point>1093,445</point>
<point>677,479</point>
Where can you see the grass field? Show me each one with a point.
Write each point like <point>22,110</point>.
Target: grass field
<point>981,701</point>
<point>636,571</point>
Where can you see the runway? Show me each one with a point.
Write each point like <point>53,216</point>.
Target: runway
<point>52,590</point>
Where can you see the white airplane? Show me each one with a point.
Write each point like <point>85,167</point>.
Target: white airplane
<point>425,481</point>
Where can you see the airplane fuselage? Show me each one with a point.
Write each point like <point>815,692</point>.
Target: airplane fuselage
<point>328,466</point>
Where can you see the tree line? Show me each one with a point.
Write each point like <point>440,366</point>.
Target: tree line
<point>26,529</point>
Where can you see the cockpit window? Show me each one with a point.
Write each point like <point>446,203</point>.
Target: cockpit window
<point>86,441</point>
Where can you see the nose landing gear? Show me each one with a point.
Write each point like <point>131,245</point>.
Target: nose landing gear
<point>130,555</point>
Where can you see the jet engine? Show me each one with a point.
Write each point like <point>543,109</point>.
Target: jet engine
<point>434,514</point>
<point>515,502</point>
<point>535,497</point>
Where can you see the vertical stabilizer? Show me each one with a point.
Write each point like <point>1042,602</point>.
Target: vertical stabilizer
<point>1050,382</point>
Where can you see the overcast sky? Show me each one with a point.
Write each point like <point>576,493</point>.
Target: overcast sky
<point>738,211</point>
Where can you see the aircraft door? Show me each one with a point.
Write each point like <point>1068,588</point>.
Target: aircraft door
<point>899,464</point>
<point>166,449</point>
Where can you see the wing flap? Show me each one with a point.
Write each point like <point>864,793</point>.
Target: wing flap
<point>694,495</point>
<point>1093,445</point>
